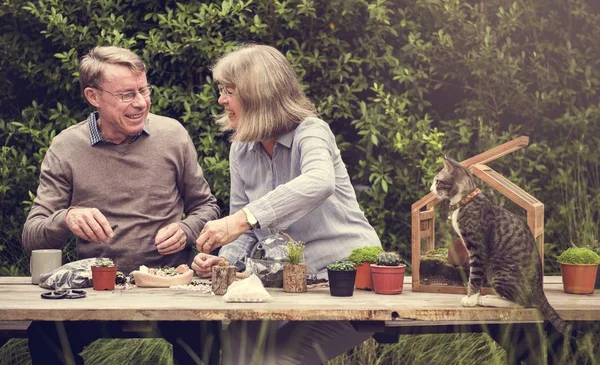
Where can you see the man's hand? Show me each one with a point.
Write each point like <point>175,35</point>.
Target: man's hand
<point>203,264</point>
<point>89,224</point>
<point>220,232</point>
<point>170,239</point>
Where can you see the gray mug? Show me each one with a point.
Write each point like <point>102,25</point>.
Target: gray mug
<point>44,261</point>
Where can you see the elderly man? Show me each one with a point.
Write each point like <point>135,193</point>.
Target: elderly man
<point>121,182</point>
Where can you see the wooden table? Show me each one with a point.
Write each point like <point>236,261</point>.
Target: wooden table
<point>388,315</point>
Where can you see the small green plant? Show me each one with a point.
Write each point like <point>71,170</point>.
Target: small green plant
<point>295,252</point>
<point>388,259</point>
<point>294,249</point>
<point>365,254</point>
<point>343,265</point>
<point>579,256</point>
<point>103,262</point>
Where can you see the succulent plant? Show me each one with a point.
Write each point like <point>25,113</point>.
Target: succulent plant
<point>103,262</point>
<point>388,259</point>
<point>342,266</point>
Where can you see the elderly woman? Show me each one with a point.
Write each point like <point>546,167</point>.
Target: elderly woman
<point>286,174</point>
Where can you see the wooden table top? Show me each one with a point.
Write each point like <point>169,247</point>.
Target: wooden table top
<point>21,301</point>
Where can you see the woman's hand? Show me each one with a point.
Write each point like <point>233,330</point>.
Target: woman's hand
<point>220,232</point>
<point>203,264</point>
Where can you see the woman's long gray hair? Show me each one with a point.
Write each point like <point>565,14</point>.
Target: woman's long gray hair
<point>268,90</point>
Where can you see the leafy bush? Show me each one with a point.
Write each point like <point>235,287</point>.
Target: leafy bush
<point>400,83</point>
<point>579,256</point>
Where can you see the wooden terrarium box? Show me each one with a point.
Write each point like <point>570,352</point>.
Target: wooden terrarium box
<point>431,271</point>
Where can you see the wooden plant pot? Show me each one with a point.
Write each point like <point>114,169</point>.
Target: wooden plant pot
<point>104,278</point>
<point>578,279</point>
<point>294,278</point>
<point>222,277</point>
<point>364,280</point>
<point>388,279</point>
<point>341,282</point>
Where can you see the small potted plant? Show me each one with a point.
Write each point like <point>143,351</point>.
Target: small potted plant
<point>342,275</point>
<point>294,272</point>
<point>362,258</point>
<point>223,275</point>
<point>388,273</point>
<point>579,266</point>
<point>104,274</point>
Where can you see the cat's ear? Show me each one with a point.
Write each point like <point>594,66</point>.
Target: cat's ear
<point>448,163</point>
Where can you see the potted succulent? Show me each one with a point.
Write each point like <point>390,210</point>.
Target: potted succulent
<point>294,272</point>
<point>362,258</point>
<point>104,274</point>
<point>341,278</point>
<point>388,273</point>
<point>579,266</point>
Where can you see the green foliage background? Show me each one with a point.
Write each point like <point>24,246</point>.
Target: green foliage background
<point>401,83</point>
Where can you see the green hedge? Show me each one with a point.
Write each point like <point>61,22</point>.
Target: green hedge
<point>400,82</point>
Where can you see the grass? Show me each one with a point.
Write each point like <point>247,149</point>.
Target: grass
<point>444,349</point>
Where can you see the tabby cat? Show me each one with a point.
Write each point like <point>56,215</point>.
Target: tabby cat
<point>501,247</point>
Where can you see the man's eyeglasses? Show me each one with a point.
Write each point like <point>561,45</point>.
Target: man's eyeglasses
<point>129,96</point>
<point>224,91</point>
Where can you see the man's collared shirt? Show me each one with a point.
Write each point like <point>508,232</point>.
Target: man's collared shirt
<point>96,137</point>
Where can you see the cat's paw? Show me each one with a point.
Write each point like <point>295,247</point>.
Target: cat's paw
<point>470,301</point>
<point>497,301</point>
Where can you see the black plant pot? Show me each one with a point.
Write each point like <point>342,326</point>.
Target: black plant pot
<point>341,282</point>
<point>597,286</point>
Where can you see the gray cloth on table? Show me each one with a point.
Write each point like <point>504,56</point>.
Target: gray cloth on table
<point>74,275</point>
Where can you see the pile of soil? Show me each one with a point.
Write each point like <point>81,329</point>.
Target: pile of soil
<point>435,270</point>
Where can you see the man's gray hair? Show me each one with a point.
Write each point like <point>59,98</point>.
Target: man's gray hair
<point>91,68</point>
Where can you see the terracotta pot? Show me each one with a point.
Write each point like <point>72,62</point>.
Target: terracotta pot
<point>363,277</point>
<point>388,279</point>
<point>578,279</point>
<point>341,282</point>
<point>103,278</point>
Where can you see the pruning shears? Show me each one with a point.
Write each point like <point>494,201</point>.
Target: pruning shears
<point>64,294</point>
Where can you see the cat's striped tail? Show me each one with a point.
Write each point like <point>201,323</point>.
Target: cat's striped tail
<point>561,326</point>
<point>552,316</point>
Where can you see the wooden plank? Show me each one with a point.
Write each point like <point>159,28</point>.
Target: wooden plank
<point>427,214</point>
<point>497,152</point>
<point>505,187</point>
<point>415,247</point>
<point>23,302</point>
<point>426,234</point>
<point>13,329</point>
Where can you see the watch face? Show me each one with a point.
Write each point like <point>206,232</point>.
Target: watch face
<point>250,218</point>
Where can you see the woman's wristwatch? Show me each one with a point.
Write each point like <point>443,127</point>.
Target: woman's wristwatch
<point>250,218</point>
